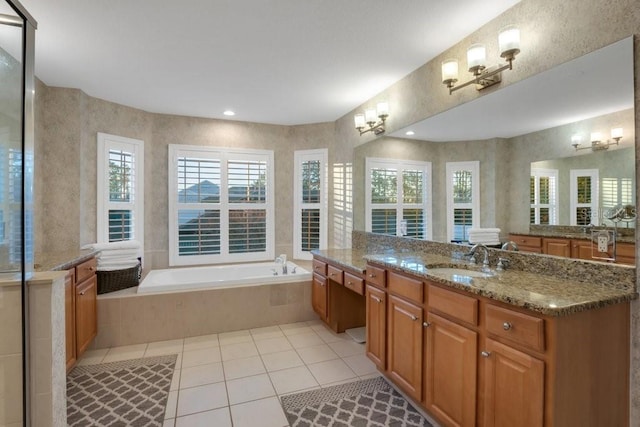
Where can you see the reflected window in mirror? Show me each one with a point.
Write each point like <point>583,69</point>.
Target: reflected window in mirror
<point>584,196</point>
<point>544,196</point>
<point>463,199</point>
<point>398,194</point>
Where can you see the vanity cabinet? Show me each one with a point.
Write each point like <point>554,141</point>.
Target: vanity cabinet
<point>527,243</point>
<point>81,319</point>
<point>376,311</point>
<point>337,296</point>
<point>557,247</point>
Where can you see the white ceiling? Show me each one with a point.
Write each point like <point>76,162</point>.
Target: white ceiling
<point>272,61</point>
<point>592,85</point>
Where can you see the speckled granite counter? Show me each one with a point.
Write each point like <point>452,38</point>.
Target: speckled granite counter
<point>541,293</point>
<point>61,260</point>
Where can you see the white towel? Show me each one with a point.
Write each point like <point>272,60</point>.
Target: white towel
<point>125,244</point>
<point>118,266</point>
<point>118,253</point>
<point>484,230</point>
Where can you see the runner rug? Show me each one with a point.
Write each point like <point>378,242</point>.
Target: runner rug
<point>371,402</point>
<point>127,393</point>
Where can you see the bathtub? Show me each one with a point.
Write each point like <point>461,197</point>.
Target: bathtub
<point>221,277</point>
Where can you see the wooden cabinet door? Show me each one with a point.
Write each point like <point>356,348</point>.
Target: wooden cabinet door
<point>513,387</point>
<point>319,296</point>
<point>86,315</point>
<point>404,358</point>
<point>450,371</point>
<point>558,247</point>
<point>376,321</point>
<point>70,319</point>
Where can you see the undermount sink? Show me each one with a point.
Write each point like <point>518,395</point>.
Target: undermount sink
<point>460,275</point>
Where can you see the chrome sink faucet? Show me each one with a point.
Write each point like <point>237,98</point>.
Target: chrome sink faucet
<point>472,254</point>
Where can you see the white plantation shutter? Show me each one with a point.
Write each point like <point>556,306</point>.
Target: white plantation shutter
<point>584,199</point>
<point>544,196</point>
<point>310,202</point>
<point>463,199</point>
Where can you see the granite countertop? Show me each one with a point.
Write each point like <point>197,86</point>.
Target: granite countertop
<point>571,235</point>
<point>54,261</point>
<point>541,293</point>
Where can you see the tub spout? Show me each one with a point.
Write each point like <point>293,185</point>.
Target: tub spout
<point>282,259</point>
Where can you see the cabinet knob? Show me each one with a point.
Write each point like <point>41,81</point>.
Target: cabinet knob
<point>485,354</point>
<point>507,326</point>
<point>350,283</point>
<point>316,267</point>
<point>372,275</point>
<point>82,293</point>
<point>426,324</point>
<point>332,274</point>
<point>92,268</point>
<point>414,318</point>
<point>376,299</point>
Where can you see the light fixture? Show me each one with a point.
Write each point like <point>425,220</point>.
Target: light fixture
<point>596,140</point>
<point>409,133</point>
<point>370,119</point>
<point>509,43</point>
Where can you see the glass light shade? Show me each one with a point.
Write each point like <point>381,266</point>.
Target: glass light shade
<point>476,56</point>
<point>449,70</point>
<point>596,137</point>
<point>509,41</point>
<point>370,115</point>
<point>359,119</point>
<point>383,109</point>
<point>616,133</point>
<point>576,139</point>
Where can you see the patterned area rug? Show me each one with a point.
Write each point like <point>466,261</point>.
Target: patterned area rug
<point>128,393</point>
<point>363,403</point>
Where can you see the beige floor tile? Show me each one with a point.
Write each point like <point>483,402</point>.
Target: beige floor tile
<point>249,388</point>
<point>266,333</point>
<point>369,376</point>
<point>330,336</point>
<point>164,347</point>
<point>292,379</point>
<point>175,380</point>
<point>238,351</point>
<point>117,354</point>
<point>360,364</point>
<point>318,353</point>
<point>313,324</point>
<point>202,398</point>
<point>331,371</point>
<point>282,360</point>
<point>217,418</point>
<point>203,356</point>
<point>93,357</point>
<point>347,348</point>
<point>172,404</point>
<point>296,331</point>
<point>239,368</point>
<point>263,413</point>
<point>273,345</point>
<point>201,375</point>
<point>305,340</point>
<point>169,423</point>
<point>200,342</point>
<point>234,337</point>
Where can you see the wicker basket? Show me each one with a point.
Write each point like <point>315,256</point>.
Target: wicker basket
<point>111,281</point>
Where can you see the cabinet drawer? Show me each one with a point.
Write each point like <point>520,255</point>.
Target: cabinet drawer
<point>355,283</point>
<point>533,242</point>
<point>334,274</point>
<point>453,304</point>
<point>517,327</point>
<point>86,270</point>
<point>319,267</point>
<point>406,287</point>
<point>376,276</point>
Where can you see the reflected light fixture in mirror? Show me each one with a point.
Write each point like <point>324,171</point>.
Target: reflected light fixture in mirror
<point>373,118</point>
<point>596,140</point>
<point>509,44</point>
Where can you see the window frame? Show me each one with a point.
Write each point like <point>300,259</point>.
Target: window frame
<point>224,155</point>
<point>474,167</point>
<point>553,175</point>
<point>574,174</point>
<point>299,157</point>
<point>427,195</point>
<point>106,142</point>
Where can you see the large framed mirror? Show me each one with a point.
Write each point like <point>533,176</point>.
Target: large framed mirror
<point>510,132</point>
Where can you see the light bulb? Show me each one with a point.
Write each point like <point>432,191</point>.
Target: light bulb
<point>509,41</point>
<point>383,109</point>
<point>370,116</point>
<point>476,57</point>
<point>449,71</point>
<point>359,119</point>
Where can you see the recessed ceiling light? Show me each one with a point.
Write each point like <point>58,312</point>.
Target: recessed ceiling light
<point>410,133</point>
<point>229,113</point>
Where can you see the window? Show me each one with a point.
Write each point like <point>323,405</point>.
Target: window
<point>463,199</point>
<point>120,189</point>
<point>544,195</point>
<point>310,202</point>
<point>616,192</point>
<point>398,199</point>
<point>220,205</point>
<point>584,196</point>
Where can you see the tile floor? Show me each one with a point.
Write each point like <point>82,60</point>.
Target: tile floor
<point>236,378</point>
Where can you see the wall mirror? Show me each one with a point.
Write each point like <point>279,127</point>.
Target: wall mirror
<point>509,131</point>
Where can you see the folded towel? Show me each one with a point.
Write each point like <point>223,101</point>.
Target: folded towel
<point>125,244</point>
<point>112,262</point>
<point>118,253</point>
<point>484,230</point>
<point>120,266</point>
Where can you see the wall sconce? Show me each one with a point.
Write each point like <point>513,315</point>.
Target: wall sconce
<point>509,43</point>
<point>370,118</point>
<point>596,140</point>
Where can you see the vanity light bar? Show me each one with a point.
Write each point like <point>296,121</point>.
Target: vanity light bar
<point>596,140</point>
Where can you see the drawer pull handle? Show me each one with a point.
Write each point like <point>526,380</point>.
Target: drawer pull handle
<point>317,267</point>
<point>372,275</point>
<point>426,324</point>
<point>82,293</point>
<point>414,318</point>
<point>332,274</point>
<point>507,326</point>
<point>376,299</point>
<point>350,283</point>
<point>485,354</point>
